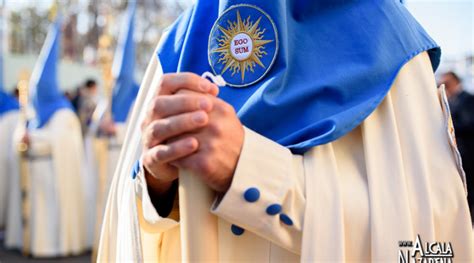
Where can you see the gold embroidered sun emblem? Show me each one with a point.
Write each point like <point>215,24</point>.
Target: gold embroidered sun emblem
<point>241,46</point>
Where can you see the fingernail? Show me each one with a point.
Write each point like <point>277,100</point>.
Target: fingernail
<point>199,117</point>
<point>190,143</point>
<point>213,89</point>
<point>204,104</point>
<point>204,85</point>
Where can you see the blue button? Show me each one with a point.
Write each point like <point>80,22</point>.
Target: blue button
<point>286,219</point>
<point>136,169</point>
<point>252,194</point>
<point>237,230</point>
<point>273,209</point>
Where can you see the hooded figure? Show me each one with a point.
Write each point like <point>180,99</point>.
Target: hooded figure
<point>8,121</point>
<point>55,153</point>
<point>123,97</point>
<point>346,148</point>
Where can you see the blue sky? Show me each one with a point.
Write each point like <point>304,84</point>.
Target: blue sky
<point>449,22</point>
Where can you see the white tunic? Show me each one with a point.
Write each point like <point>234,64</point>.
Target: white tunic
<point>57,216</point>
<point>392,178</point>
<point>114,146</point>
<point>8,123</point>
<point>109,149</point>
<point>90,185</point>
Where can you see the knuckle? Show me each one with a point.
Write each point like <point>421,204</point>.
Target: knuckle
<point>151,109</point>
<point>144,125</point>
<point>146,161</point>
<point>214,146</point>
<point>151,158</point>
<point>166,127</point>
<point>164,81</point>
<point>158,106</point>
<point>215,129</point>
<point>159,129</point>
<point>190,80</point>
<point>228,109</point>
<point>161,154</point>
<point>155,131</point>
<point>188,102</point>
<point>211,147</point>
<point>186,77</point>
<point>146,140</point>
<point>224,108</point>
<point>204,165</point>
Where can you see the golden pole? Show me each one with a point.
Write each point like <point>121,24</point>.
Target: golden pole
<point>101,142</point>
<point>106,56</point>
<point>22,148</point>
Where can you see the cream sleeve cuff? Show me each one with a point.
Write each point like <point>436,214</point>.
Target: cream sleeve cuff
<point>266,196</point>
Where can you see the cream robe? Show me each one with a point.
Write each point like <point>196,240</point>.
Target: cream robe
<point>114,147</point>
<point>395,176</point>
<point>110,147</point>
<point>13,231</point>
<point>57,215</point>
<point>90,185</point>
<point>102,155</point>
<point>8,123</point>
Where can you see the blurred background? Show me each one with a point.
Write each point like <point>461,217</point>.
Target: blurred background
<point>451,24</point>
<point>90,33</point>
<point>25,22</point>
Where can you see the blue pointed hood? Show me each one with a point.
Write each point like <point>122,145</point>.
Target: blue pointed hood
<point>7,102</point>
<point>45,93</point>
<point>123,68</point>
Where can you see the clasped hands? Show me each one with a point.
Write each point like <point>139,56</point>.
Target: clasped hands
<point>188,127</point>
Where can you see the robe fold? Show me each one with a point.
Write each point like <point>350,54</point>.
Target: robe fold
<point>395,176</point>
<point>8,123</point>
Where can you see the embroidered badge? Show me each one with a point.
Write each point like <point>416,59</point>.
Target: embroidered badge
<point>243,45</point>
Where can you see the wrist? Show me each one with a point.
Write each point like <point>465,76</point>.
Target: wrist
<point>162,193</point>
<point>155,185</point>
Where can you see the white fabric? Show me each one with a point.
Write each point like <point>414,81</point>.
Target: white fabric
<point>90,175</point>
<point>8,123</point>
<point>121,209</point>
<point>13,231</point>
<point>111,148</point>
<point>57,216</point>
<point>393,177</point>
<point>103,154</point>
<point>114,147</point>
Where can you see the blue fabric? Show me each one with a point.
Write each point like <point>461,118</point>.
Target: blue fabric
<point>123,68</point>
<point>45,94</point>
<point>7,102</point>
<point>337,60</point>
<point>136,169</point>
